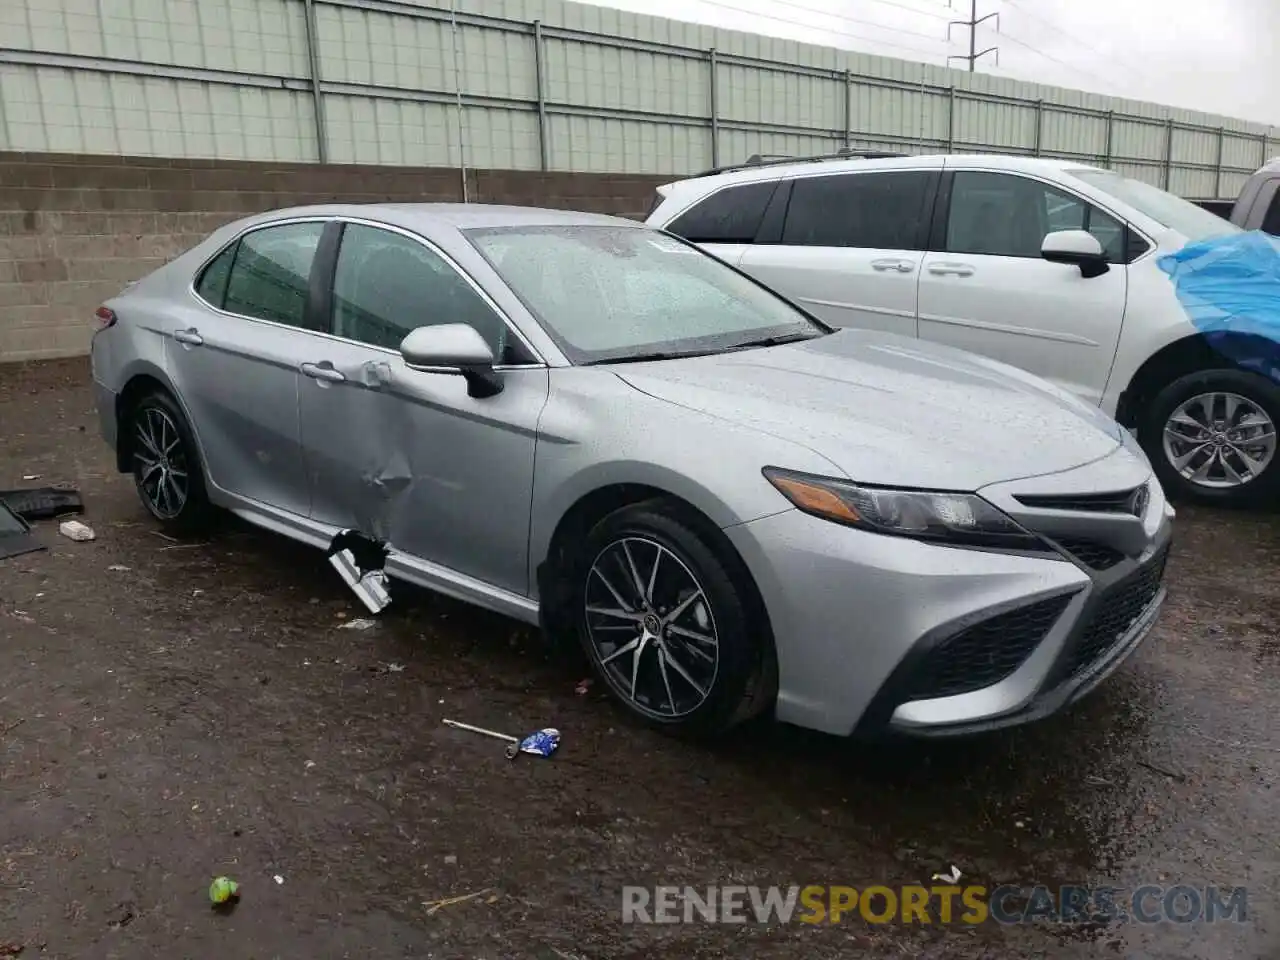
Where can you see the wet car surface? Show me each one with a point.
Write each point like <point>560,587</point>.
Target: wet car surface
<point>201,713</point>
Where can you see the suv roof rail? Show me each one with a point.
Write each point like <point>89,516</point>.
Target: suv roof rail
<point>778,159</point>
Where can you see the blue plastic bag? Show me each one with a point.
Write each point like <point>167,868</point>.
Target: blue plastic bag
<point>1231,285</point>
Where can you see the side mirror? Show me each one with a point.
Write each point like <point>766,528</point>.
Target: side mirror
<point>455,348</point>
<point>1078,247</point>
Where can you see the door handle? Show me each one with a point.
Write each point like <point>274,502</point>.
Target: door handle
<point>902,266</point>
<point>953,269</point>
<point>190,337</point>
<point>323,371</point>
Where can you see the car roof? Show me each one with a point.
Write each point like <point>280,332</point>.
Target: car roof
<point>459,216</point>
<point>953,161</point>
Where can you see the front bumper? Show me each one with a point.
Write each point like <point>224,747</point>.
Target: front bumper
<point>856,617</point>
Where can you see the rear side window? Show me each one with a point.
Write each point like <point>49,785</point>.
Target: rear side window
<point>269,277</point>
<point>212,285</point>
<point>1271,222</point>
<point>731,215</point>
<point>870,210</point>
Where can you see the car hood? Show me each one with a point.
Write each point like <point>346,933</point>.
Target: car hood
<point>891,410</point>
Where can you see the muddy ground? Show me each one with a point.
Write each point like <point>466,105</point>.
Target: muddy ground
<point>173,711</point>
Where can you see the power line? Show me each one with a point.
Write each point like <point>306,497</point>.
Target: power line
<point>1073,38</point>
<point>808,26</point>
<point>972,24</point>
<point>866,23</point>
<point>1062,63</point>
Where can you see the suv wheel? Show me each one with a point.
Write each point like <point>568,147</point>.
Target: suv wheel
<point>1211,437</point>
<point>665,624</point>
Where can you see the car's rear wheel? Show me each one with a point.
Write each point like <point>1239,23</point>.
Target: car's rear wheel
<point>166,464</point>
<point>665,623</point>
<point>1211,437</point>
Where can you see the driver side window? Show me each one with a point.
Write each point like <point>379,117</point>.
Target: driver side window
<point>386,285</point>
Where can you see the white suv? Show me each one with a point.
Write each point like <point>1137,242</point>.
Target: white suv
<point>1049,265</point>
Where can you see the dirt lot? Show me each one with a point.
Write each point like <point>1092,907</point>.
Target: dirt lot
<point>199,713</point>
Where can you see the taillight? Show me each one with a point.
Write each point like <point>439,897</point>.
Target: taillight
<point>106,317</point>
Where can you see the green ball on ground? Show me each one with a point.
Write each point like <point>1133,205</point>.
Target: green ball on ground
<point>223,889</point>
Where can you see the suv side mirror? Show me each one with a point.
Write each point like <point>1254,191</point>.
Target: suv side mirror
<point>455,348</point>
<point>1078,247</point>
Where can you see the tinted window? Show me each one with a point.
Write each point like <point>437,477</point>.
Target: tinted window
<point>731,215</point>
<point>212,285</point>
<point>1006,216</point>
<point>387,284</point>
<point>1271,222</point>
<point>271,271</point>
<point>875,210</point>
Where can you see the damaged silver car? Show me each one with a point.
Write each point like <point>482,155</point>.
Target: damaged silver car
<point>584,422</point>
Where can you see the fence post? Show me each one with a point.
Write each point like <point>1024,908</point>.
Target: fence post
<point>1111,128</point>
<point>1039,125</point>
<point>544,148</point>
<point>1168,152</point>
<point>1217,169</point>
<point>713,66</point>
<point>951,118</point>
<point>317,98</point>
<point>1262,160</point>
<point>848,110</point>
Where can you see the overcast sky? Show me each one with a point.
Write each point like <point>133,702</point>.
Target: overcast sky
<point>1218,56</point>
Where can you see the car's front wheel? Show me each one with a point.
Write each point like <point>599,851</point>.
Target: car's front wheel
<point>1211,437</point>
<point>166,464</point>
<point>667,623</point>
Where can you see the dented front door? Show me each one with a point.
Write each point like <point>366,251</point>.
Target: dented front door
<point>411,458</point>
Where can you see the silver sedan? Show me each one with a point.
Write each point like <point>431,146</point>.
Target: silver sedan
<point>586,423</point>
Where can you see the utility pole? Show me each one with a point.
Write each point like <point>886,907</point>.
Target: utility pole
<point>972,24</point>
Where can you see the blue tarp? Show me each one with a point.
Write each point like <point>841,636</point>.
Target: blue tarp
<point>1231,284</point>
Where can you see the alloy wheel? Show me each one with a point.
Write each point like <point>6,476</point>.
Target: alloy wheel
<point>652,628</point>
<point>1219,440</point>
<point>160,463</point>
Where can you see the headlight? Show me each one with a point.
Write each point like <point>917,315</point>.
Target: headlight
<point>959,518</point>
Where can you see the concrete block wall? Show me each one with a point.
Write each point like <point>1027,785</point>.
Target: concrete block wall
<point>75,229</point>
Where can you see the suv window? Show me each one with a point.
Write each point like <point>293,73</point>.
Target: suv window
<point>871,210</point>
<point>1003,215</point>
<point>731,215</point>
<point>271,271</point>
<point>387,284</point>
<point>212,285</point>
<point>1271,222</point>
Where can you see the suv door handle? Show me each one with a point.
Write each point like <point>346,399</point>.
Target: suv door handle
<point>902,266</point>
<point>954,269</point>
<point>323,371</point>
<point>190,337</point>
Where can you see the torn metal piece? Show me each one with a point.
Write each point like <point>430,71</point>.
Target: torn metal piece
<point>359,561</point>
<point>42,503</point>
<point>15,535</point>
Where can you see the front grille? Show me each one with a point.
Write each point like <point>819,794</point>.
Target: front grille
<point>1122,501</point>
<point>1091,553</point>
<point>984,653</point>
<point>1116,611</point>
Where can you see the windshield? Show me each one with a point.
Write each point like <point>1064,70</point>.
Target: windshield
<point>1191,221</point>
<point>608,293</point>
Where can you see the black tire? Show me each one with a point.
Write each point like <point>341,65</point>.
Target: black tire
<point>181,504</point>
<point>731,691</point>
<point>1263,487</point>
